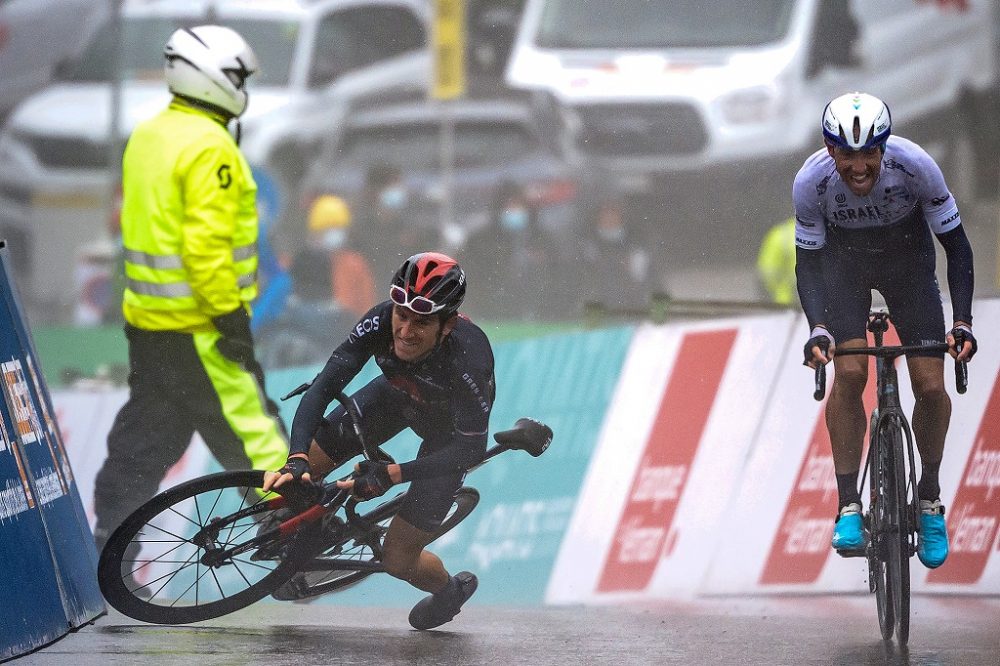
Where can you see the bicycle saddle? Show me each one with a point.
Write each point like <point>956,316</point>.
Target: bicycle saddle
<point>527,435</point>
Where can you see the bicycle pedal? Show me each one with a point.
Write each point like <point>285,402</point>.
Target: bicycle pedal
<point>852,552</point>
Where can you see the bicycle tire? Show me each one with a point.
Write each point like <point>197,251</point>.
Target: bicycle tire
<point>354,548</point>
<point>879,521</point>
<point>899,546</point>
<point>195,590</point>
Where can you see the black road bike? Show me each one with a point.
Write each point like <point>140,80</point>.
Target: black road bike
<point>218,543</point>
<point>892,520</point>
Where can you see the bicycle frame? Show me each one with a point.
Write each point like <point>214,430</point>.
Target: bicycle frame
<point>330,499</point>
<point>892,516</point>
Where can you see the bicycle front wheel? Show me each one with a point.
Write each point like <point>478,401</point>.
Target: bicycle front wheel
<point>899,550</point>
<point>879,527</point>
<point>890,550</point>
<point>183,556</point>
<point>352,555</point>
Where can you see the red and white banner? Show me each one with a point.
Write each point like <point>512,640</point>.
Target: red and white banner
<point>668,460</point>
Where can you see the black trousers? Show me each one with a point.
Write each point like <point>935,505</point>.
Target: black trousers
<point>175,391</point>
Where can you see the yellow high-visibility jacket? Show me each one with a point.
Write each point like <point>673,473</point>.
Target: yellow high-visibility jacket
<point>189,222</point>
<point>776,262</point>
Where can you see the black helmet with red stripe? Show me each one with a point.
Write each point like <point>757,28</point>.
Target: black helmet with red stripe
<point>429,283</point>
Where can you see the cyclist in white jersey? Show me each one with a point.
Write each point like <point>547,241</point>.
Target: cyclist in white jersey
<point>868,207</point>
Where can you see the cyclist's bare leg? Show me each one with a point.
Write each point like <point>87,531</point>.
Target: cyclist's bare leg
<point>845,410</point>
<point>320,464</point>
<point>405,557</point>
<point>931,412</point>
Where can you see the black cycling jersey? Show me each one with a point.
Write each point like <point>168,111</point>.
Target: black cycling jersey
<point>446,396</point>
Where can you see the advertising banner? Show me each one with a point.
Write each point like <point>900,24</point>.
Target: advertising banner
<point>669,460</point>
<point>48,574</point>
<point>788,494</point>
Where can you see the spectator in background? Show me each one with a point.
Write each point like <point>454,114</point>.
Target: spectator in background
<point>275,284</point>
<point>776,263</point>
<point>332,286</point>
<point>328,269</point>
<point>615,265</point>
<point>509,254</point>
<point>382,230</point>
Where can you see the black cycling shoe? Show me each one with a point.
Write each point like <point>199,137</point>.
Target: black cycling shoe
<point>443,606</point>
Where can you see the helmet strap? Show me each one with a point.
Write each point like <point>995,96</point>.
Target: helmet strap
<point>221,114</point>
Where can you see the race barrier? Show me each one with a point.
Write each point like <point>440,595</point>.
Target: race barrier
<point>48,582</point>
<point>689,459</point>
<point>725,485</point>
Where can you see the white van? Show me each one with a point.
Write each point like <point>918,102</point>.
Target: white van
<point>711,106</point>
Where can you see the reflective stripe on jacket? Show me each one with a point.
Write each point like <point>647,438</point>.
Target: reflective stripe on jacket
<point>189,222</point>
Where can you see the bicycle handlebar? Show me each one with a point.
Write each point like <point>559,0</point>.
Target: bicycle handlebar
<point>893,352</point>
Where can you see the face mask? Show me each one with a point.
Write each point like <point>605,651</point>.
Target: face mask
<point>514,219</point>
<point>333,239</point>
<point>393,198</point>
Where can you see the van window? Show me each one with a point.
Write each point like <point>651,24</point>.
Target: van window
<point>354,38</point>
<point>144,38</point>
<point>636,24</point>
<point>273,42</point>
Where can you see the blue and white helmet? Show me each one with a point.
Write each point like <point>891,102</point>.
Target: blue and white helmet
<point>210,64</point>
<point>857,121</point>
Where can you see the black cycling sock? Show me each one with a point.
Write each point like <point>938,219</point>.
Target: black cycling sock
<point>929,489</point>
<point>847,488</point>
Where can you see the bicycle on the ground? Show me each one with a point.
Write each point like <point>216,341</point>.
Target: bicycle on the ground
<point>892,520</point>
<point>218,543</point>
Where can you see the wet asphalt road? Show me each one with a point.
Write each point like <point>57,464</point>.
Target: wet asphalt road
<point>838,630</point>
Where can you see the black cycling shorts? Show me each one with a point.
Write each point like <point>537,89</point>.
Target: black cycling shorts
<point>913,299</point>
<point>385,412</point>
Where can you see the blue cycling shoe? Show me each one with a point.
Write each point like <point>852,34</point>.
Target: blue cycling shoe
<point>932,542</point>
<point>849,531</point>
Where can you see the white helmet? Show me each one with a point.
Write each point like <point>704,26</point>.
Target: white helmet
<point>857,121</point>
<point>210,63</point>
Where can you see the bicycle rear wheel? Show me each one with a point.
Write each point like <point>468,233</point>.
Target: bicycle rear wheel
<point>331,569</point>
<point>182,556</point>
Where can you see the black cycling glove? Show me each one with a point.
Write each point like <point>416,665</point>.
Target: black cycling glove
<point>820,338</point>
<point>236,342</point>
<point>963,334</point>
<point>371,480</point>
<point>296,467</point>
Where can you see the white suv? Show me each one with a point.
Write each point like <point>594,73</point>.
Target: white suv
<point>57,191</point>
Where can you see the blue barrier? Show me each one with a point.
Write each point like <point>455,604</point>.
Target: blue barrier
<point>47,578</point>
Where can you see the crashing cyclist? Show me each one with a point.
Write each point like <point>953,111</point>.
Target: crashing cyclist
<point>437,379</point>
<point>868,206</point>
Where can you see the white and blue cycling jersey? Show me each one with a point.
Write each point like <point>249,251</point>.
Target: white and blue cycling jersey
<point>849,244</point>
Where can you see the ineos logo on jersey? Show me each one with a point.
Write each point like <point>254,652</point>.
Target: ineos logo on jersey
<point>366,325</point>
<point>225,176</point>
<point>937,201</point>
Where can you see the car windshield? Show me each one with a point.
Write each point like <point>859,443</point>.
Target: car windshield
<point>416,147</point>
<point>272,40</point>
<point>637,24</point>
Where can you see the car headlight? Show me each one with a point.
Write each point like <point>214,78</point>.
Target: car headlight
<point>759,104</point>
